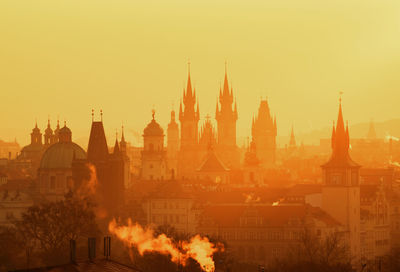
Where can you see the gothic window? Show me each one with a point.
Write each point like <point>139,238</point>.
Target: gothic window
<point>151,147</point>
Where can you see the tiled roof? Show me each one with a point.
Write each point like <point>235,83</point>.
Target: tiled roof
<point>229,216</point>
<point>212,164</point>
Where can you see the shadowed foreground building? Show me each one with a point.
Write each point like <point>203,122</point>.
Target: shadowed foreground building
<point>112,170</point>
<point>260,234</point>
<point>62,167</point>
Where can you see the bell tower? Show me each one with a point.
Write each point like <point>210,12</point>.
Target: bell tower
<point>341,187</point>
<point>226,116</point>
<point>189,119</point>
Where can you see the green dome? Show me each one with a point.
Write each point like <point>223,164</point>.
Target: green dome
<point>61,155</point>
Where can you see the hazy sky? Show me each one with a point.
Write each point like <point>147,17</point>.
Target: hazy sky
<point>66,57</point>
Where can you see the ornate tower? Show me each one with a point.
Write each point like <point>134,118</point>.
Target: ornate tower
<point>172,146</point>
<point>226,116</point>
<point>36,136</point>
<point>154,166</point>
<point>48,135</point>
<point>292,142</point>
<point>189,118</point>
<point>123,143</point>
<point>207,138</point>
<point>341,189</point>
<point>56,131</point>
<point>264,135</point>
<point>109,167</point>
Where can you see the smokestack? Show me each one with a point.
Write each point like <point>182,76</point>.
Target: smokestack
<point>72,251</point>
<point>92,249</point>
<point>107,247</point>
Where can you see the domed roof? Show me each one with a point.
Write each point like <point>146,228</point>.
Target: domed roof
<point>65,130</point>
<point>153,129</point>
<point>61,155</point>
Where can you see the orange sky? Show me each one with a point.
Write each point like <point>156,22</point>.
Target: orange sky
<point>66,57</point>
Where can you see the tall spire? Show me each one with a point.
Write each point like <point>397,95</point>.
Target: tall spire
<point>226,85</point>
<point>189,84</point>
<point>340,142</point>
<point>122,134</point>
<point>292,142</point>
<point>333,139</point>
<point>116,146</point>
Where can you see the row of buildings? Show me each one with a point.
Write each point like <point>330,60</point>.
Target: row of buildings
<point>200,182</point>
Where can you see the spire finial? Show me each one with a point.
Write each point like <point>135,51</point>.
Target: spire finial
<point>92,115</point>
<point>65,123</point>
<point>226,70</point>
<point>189,66</point>
<point>153,113</point>
<point>101,115</point>
<point>116,134</point>
<point>340,97</point>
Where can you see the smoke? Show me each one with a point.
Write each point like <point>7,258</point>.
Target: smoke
<point>390,137</point>
<point>89,189</point>
<point>198,248</point>
<point>137,136</point>
<point>394,163</point>
<point>250,198</point>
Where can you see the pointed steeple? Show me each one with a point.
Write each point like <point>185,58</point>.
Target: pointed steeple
<point>116,145</point>
<point>123,142</point>
<point>292,142</point>
<point>226,85</point>
<point>333,136</point>
<point>340,144</point>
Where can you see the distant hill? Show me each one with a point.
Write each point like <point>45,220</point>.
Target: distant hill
<point>360,130</point>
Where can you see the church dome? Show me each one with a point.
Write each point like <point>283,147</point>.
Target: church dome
<point>65,130</point>
<point>153,129</point>
<point>61,155</point>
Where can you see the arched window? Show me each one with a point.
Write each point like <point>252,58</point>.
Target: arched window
<point>151,147</point>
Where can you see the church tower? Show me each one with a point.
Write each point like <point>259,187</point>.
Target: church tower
<point>264,135</point>
<point>48,135</point>
<point>292,143</point>
<point>109,167</point>
<point>207,138</point>
<point>36,136</point>
<point>154,166</point>
<point>172,146</point>
<point>341,187</point>
<point>189,118</point>
<point>226,116</point>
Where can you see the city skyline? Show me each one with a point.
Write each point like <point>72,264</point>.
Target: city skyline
<point>300,57</point>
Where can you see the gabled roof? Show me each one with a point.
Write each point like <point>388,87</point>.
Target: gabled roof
<point>212,164</point>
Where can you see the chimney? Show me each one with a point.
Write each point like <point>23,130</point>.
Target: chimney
<point>92,249</point>
<point>107,247</point>
<point>72,251</point>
